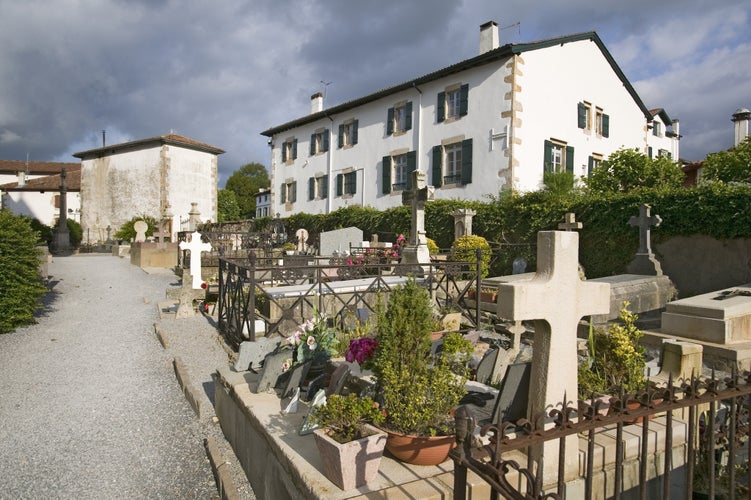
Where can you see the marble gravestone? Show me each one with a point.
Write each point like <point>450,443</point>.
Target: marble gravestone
<point>195,246</point>
<point>339,241</point>
<point>141,227</point>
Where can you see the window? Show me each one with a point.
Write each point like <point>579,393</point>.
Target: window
<point>584,115</point>
<point>396,174</point>
<point>288,192</point>
<point>656,128</point>
<point>399,118</point>
<point>348,134</point>
<point>558,157</point>
<point>319,142</point>
<point>289,150</point>
<point>593,162</point>
<point>452,103</point>
<point>664,152</point>
<point>452,163</point>
<point>318,187</point>
<point>602,123</point>
<point>601,120</point>
<point>346,184</point>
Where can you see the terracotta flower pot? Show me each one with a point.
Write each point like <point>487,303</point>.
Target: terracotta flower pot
<point>350,465</point>
<point>419,450</point>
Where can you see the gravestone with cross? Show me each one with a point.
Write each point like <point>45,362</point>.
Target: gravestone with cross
<point>645,262</point>
<point>195,246</point>
<point>556,299</point>
<point>302,240</point>
<point>569,223</point>
<point>417,250</point>
<point>140,227</point>
<point>162,236</point>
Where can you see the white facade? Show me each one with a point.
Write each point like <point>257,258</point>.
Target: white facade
<point>263,203</point>
<point>32,189</point>
<point>493,122</point>
<point>160,177</point>
<point>663,136</point>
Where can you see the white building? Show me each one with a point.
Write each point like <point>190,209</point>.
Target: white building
<point>160,177</point>
<point>663,136</point>
<point>32,189</point>
<point>263,203</point>
<point>493,122</point>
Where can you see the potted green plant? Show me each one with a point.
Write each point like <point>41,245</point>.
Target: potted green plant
<point>419,391</point>
<point>350,448</point>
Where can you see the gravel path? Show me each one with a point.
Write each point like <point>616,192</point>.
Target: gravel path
<point>89,404</point>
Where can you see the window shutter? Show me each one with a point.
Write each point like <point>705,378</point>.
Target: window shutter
<point>606,125</point>
<point>294,149</point>
<point>569,158</point>
<point>590,165</point>
<point>440,107</point>
<point>408,119</point>
<point>437,166</point>
<point>284,152</point>
<point>386,175</point>
<point>339,182</point>
<point>283,193</point>
<point>649,152</point>
<point>467,161</point>
<point>411,167</point>
<point>312,144</point>
<point>325,183</point>
<point>354,131</point>
<point>293,193</point>
<point>464,100</point>
<point>581,115</point>
<point>390,121</point>
<point>325,140</point>
<point>311,188</point>
<point>340,142</point>
<point>548,157</point>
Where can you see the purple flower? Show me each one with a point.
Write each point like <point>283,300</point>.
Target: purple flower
<point>360,350</point>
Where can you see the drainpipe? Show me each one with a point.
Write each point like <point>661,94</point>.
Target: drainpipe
<point>330,165</point>
<point>419,127</point>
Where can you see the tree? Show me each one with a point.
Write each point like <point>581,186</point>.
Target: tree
<point>245,183</point>
<point>629,169</point>
<point>19,272</point>
<point>729,166</point>
<point>227,206</point>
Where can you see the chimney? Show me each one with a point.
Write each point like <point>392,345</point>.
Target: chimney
<point>676,128</point>
<point>741,118</point>
<point>488,36</point>
<point>316,103</point>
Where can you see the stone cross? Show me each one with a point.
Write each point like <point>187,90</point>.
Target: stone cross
<point>109,231</point>
<point>162,235</point>
<point>141,227</point>
<point>196,246</point>
<point>557,299</point>
<point>645,262</point>
<point>417,197</point>
<point>302,240</point>
<point>569,223</point>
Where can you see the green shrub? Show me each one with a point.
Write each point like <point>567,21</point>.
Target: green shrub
<point>465,249</point>
<point>75,233</point>
<point>19,272</point>
<point>127,232</point>
<point>344,416</point>
<point>45,232</point>
<point>432,247</point>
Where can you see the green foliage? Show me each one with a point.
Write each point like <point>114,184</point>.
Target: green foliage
<point>127,232</point>
<point>465,249</point>
<point>729,166</point>
<point>19,272</point>
<point>558,184</point>
<point>45,232</point>
<point>245,183</point>
<point>616,358</point>
<point>344,416</point>
<point>75,233</point>
<point>432,247</point>
<point>418,392</point>
<point>629,169</point>
<point>227,207</point>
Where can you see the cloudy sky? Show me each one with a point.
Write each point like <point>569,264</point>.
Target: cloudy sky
<point>223,71</point>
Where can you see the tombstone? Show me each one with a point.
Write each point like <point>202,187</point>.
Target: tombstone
<point>302,240</point>
<point>185,304</point>
<point>416,252</point>
<point>140,227</point>
<point>463,222</point>
<point>162,235</point>
<point>194,217</point>
<point>484,372</point>
<point>519,266</point>
<point>645,262</point>
<point>109,233</point>
<point>195,246</point>
<point>319,399</point>
<point>297,375</point>
<point>569,223</point>
<point>251,354</point>
<point>556,299</point>
<point>272,370</point>
<point>513,397</point>
<point>338,379</point>
<point>339,240</point>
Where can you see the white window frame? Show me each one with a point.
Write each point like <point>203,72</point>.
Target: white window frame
<point>452,161</point>
<point>598,120</point>
<point>453,103</point>
<point>399,171</point>
<point>400,118</point>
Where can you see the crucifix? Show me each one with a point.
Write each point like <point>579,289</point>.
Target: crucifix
<point>569,223</point>
<point>645,262</point>
<point>195,246</point>
<point>417,251</point>
<point>556,299</point>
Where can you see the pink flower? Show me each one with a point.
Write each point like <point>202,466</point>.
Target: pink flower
<point>312,344</point>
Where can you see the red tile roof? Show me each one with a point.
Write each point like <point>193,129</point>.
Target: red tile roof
<point>50,182</point>
<point>173,139</point>
<point>36,167</point>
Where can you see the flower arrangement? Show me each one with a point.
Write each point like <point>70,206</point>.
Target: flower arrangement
<point>314,340</point>
<point>361,350</point>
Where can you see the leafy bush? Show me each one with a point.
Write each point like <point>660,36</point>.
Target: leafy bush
<point>75,233</point>
<point>629,169</point>
<point>432,247</point>
<point>45,232</point>
<point>127,232</point>
<point>729,166</point>
<point>19,272</point>
<point>465,249</point>
<point>344,416</point>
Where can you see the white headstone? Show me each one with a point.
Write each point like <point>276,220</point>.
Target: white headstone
<point>557,299</point>
<point>195,246</point>
<point>141,227</point>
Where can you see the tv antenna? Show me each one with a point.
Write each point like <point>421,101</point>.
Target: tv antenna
<point>325,88</point>
<point>518,26</point>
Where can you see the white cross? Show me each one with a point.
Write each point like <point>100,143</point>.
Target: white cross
<point>196,246</point>
<point>557,299</point>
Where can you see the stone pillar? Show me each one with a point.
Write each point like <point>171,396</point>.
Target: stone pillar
<point>61,238</point>
<point>194,217</point>
<point>463,222</point>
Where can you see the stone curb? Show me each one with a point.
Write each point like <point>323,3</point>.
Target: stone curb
<point>223,477</point>
<point>161,336</point>
<point>191,393</point>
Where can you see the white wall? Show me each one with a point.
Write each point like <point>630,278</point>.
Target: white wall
<point>41,206</point>
<point>191,177</point>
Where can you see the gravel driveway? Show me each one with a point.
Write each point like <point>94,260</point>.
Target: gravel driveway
<point>89,404</point>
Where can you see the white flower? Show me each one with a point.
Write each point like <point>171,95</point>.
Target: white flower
<point>287,364</point>
<point>309,325</point>
<point>312,344</point>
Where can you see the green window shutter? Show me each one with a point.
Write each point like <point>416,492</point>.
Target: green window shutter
<point>325,184</point>
<point>408,119</point>
<point>606,125</point>
<point>386,175</point>
<point>354,131</point>
<point>326,140</point>
<point>284,152</point>
<point>440,107</point>
<point>437,166</point>
<point>464,99</point>
<point>581,115</point>
<point>411,167</point>
<point>312,144</point>
<point>590,164</point>
<point>649,152</point>
<point>283,193</point>
<point>548,157</point>
<point>339,182</point>
<point>390,121</point>
<point>467,161</point>
<point>293,194</point>
<point>294,149</point>
<point>311,188</point>
<point>340,142</point>
<point>569,158</point>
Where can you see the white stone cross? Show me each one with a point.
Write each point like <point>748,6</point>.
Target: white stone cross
<point>557,299</point>
<point>140,227</point>
<point>196,246</point>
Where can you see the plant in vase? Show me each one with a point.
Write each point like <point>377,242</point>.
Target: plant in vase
<point>313,341</point>
<point>349,447</point>
<point>419,391</point>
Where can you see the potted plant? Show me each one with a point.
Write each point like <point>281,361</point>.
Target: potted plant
<point>419,391</point>
<point>349,447</point>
